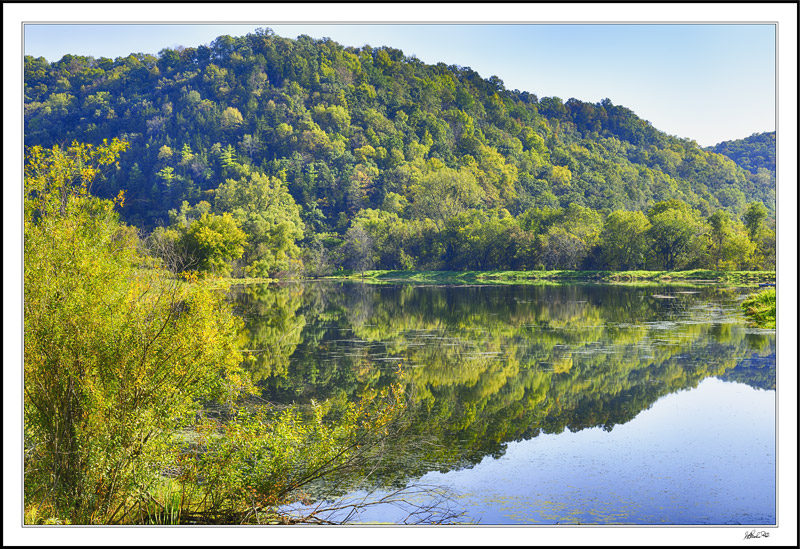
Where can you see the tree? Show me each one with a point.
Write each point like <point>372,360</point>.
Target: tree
<point>117,355</point>
<point>720,228</point>
<point>480,240</point>
<point>385,230</point>
<point>623,242</point>
<point>214,241</point>
<point>730,247</point>
<point>582,222</point>
<point>766,252</point>
<point>562,250</point>
<point>250,145</point>
<point>738,251</point>
<point>560,179</point>
<point>227,160</point>
<point>269,216</point>
<point>753,218</point>
<point>231,118</point>
<point>359,249</point>
<point>444,193</point>
<point>675,234</point>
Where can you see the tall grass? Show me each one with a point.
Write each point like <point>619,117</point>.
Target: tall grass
<point>760,308</point>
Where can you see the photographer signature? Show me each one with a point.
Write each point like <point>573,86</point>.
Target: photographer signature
<point>753,534</point>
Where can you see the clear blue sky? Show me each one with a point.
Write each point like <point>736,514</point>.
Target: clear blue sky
<point>706,82</point>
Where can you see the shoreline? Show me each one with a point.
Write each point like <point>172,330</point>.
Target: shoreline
<point>696,276</point>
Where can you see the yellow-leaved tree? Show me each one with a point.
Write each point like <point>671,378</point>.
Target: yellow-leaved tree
<point>118,356</point>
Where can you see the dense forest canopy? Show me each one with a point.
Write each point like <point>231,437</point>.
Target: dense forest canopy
<point>755,154</point>
<point>751,153</point>
<point>260,154</point>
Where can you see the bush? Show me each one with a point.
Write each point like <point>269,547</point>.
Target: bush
<point>117,354</point>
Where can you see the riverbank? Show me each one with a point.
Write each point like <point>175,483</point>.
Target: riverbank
<point>760,308</point>
<point>699,276</point>
<point>696,276</point>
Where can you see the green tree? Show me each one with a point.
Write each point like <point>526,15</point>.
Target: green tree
<point>753,218</point>
<point>766,251</point>
<point>385,230</point>
<point>444,193</point>
<point>561,249</point>
<point>117,355</point>
<point>675,235</point>
<point>720,228</point>
<point>269,216</point>
<point>582,222</point>
<point>213,241</point>
<point>359,249</point>
<point>623,241</point>
<point>231,118</point>
<point>481,240</point>
<point>738,251</point>
<point>730,247</point>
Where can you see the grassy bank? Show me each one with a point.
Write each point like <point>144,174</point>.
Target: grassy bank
<point>738,278</point>
<point>760,308</point>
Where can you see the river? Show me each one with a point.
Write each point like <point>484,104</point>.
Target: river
<point>536,404</point>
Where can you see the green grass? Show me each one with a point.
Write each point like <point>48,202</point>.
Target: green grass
<point>737,278</point>
<point>760,308</point>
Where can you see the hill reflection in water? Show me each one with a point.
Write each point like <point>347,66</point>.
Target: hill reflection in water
<point>490,365</point>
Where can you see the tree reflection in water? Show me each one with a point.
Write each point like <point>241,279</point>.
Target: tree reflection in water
<point>486,365</point>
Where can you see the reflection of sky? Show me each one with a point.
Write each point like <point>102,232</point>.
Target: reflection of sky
<point>703,456</point>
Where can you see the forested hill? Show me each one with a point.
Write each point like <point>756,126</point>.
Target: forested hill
<point>354,131</point>
<point>753,153</point>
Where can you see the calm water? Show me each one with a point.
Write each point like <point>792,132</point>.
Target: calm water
<point>582,404</point>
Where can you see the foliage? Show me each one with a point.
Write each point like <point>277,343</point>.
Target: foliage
<point>752,153</point>
<point>676,232</point>
<point>358,249</point>
<point>213,241</point>
<point>624,242</point>
<point>478,239</point>
<point>122,359</point>
<point>269,130</point>
<point>117,356</point>
<point>442,194</point>
<point>263,458</point>
<point>268,216</point>
<point>760,308</point>
<point>754,218</point>
<point>730,246</point>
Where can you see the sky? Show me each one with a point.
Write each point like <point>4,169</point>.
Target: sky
<point>707,82</point>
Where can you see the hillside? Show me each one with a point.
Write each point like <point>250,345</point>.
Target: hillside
<point>756,154</point>
<point>751,153</point>
<point>353,131</point>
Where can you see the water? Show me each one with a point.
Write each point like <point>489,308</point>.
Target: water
<point>580,404</point>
